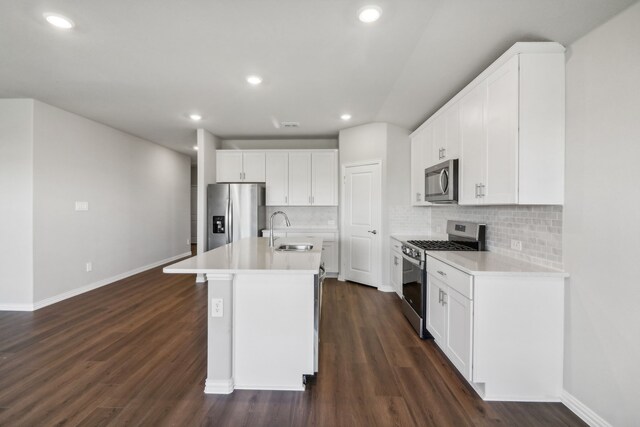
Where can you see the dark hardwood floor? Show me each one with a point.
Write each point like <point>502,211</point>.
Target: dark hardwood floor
<point>134,353</point>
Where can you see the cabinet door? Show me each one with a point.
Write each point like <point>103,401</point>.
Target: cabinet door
<point>459,327</point>
<point>324,167</point>
<point>452,132</point>
<point>436,315</point>
<point>229,166</point>
<point>396,272</point>
<point>417,172</point>
<point>277,178</point>
<point>439,145</point>
<point>501,183</point>
<point>299,178</point>
<point>253,166</point>
<point>473,144</point>
<point>429,152</point>
<point>330,256</point>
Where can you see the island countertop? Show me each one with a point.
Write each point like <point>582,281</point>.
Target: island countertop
<point>253,255</point>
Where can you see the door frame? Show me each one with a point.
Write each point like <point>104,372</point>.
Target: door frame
<point>343,253</point>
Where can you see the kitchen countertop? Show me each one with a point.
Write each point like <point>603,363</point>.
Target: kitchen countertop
<point>253,255</point>
<point>405,237</point>
<point>492,264</point>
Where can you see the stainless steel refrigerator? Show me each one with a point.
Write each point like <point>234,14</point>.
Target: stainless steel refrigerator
<point>234,211</point>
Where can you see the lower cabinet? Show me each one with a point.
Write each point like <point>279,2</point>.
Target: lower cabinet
<point>396,267</point>
<point>503,331</point>
<point>449,320</point>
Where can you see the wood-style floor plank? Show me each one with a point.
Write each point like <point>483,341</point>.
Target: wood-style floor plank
<point>134,353</point>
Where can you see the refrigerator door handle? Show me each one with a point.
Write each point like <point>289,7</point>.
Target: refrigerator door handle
<point>228,220</point>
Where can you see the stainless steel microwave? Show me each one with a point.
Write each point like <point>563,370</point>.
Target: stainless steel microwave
<point>441,182</point>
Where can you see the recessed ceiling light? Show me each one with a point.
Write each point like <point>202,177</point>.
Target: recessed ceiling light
<point>345,117</point>
<point>254,80</point>
<point>59,21</point>
<point>195,147</point>
<point>195,117</point>
<point>369,14</point>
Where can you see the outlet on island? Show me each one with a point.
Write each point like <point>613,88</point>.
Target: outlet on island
<point>516,245</point>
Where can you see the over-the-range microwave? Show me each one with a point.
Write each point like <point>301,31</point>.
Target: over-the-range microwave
<point>441,182</point>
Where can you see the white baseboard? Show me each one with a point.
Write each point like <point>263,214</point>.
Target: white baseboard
<point>218,386</point>
<point>16,307</point>
<point>201,278</point>
<point>269,387</point>
<point>72,293</point>
<point>386,289</point>
<point>583,411</point>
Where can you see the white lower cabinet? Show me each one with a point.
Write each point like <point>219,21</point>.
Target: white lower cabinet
<point>449,320</point>
<point>396,266</point>
<point>502,331</point>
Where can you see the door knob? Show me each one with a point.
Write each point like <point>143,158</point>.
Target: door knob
<point>372,232</point>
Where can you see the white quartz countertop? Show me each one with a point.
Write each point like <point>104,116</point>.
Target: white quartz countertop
<point>492,264</point>
<point>404,237</point>
<point>253,255</point>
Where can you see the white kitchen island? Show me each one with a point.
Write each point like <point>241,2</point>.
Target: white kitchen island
<point>262,305</point>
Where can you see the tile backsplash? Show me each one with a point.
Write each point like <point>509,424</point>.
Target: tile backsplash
<point>409,220</point>
<point>539,228</point>
<point>305,216</point>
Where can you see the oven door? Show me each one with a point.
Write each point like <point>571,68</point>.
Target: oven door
<point>413,284</point>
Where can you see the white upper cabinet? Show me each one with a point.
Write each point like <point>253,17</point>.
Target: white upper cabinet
<point>292,177</point>
<point>229,166</point>
<point>300,178</point>
<point>507,129</point>
<point>240,166</point>
<point>277,178</point>
<point>324,181</point>
<point>254,166</point>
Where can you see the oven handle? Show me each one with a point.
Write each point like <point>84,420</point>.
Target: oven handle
<point>413,261</point>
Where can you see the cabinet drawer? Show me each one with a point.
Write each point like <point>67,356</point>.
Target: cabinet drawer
<point>456,279</point>
<point>395,245</point>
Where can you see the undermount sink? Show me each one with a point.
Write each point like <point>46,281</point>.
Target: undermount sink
<point>295,247</point>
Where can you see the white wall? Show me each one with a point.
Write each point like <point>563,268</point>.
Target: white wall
<point>207,146</point>
<point>16,204</point>
<point>389,144</point>
<point>138,194</point>
<point>278,144</point>
<point>602,219</point>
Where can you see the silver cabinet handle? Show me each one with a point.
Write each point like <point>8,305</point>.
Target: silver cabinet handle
<point>439,296</point>
<point>442,273</point>
<point>395,260</point>
<point>372,231</point>
<point>286,199</point>
<point>481,187</point>
<point>418,197</point>
<point>477,190</point>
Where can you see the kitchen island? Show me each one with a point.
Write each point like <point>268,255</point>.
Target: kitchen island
<point>263,313</point>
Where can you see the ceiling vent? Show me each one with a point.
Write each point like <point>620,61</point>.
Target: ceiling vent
<point>290,124</point>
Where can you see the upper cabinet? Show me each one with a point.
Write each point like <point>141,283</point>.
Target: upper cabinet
<point>313,178</point>
<point>507,129</point>
<point>240,166</point>
<point>277,178</point>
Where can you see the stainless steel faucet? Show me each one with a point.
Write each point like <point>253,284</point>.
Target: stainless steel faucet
<point>286,219</point>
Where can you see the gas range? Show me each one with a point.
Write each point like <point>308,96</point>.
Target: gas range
<point>463,236</point>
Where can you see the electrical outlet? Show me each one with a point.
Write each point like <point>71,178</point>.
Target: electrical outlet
<point>89,266</point>
<point>217,307</point>
<point>516,245</point>
<point>82,206</point>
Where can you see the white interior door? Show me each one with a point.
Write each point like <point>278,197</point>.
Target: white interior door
<point>362,219</point>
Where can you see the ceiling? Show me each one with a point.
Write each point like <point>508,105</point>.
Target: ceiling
<point>142,66</point>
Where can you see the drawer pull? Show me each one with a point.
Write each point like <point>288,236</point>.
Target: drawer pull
<point>442,273</point>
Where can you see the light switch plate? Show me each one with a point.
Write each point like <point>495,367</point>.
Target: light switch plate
<point>516,245</point>
<point>82,206</point>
